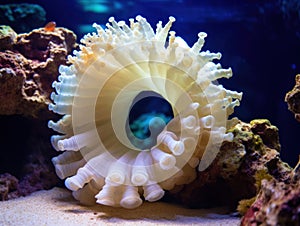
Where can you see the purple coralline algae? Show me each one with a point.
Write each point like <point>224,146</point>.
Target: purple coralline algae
<point>28,66</point>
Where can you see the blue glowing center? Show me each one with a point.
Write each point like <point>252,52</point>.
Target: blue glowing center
<point>149,115</point>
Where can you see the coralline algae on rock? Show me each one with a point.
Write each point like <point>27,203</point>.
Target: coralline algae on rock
<point>277,203</point>
<point>28,69</point>
<point>7,37</point>
<point>293,99</point>
<point>8,186</point>
<point>28,66</point>
<point>278,199</point>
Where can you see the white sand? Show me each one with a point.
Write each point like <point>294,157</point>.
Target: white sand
<point>57,207</point>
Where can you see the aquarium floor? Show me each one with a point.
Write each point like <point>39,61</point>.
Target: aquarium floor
<point>57,207</point>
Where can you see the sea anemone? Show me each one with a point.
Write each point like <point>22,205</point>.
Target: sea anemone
<point>140,114</point>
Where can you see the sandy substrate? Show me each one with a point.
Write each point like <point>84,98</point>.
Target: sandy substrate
<point>57,207</point>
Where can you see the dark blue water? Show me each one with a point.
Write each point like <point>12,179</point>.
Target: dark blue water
<point>259,39</point>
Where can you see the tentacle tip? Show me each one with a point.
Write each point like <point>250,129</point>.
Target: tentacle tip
<point>138,17</point>
<point>51,107</point>
<point>116,178</point>
<point>54,160</point>
<point>178,148</point>
<point>121,23</point>
<point>105,201</point>
<point>95,25</point>
<point>50,124</point>
<point>228,137</point>
<point>139,179</point>
<point>240,95</point>
<point>52,96</point>
<point>54,84</point>
<point>195,105</point>
<point>155,195</point>
<point>60,145</point>
<point>167,162</point>
<point>172,33</point>
<point>202,35</point>
<point>58,171</point>
<point>111,19</point>
<point>72,185</point>
<point>131,202</point>
<point>172,19</point>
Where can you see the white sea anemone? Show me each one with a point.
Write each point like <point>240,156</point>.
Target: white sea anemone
<point>103,159</point>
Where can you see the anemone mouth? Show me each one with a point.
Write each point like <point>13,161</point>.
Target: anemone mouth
<point>148,116</point>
